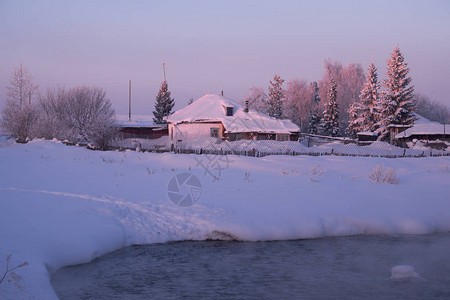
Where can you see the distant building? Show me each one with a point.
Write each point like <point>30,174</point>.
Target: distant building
<point>433,134</point>
<point>215,116</point>
<point>366,137</point>
<point>140,126</point>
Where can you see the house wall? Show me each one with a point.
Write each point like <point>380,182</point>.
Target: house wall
<point>261,136</point>
<point>142,132</point>
<point>192,131</point>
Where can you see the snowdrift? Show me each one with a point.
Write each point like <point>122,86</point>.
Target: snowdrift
<point>63,205</point>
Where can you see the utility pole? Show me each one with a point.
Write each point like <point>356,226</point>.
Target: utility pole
<point>164,70</point>
<point>129,100</point>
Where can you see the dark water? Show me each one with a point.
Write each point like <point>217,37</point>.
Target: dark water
<point>356,267</point>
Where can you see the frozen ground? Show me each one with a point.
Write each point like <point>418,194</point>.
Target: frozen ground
<point>62,205</point>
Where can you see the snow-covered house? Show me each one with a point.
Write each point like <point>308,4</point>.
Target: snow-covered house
<point>140,126</point>
<point>223,118</point>
<point>427,132</point>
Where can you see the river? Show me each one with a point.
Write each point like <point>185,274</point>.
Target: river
<point>356,267</point>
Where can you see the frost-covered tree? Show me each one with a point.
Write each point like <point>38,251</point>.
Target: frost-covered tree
<point>297,102</point>
<point>257,99</point>
<point>276,97</point>
<point>397,104</point>
<point>52,116</point>
<point>349,80</point>
<point>364,115</point>
<point>431,109</point>
<point>314,117</point>
<point>164,104</point>
<point>17,120</point>
<point>329,124</point>
<point>21,87</point>
<point>89,113</point>
<point>78,114</point>
<point>19,114</point>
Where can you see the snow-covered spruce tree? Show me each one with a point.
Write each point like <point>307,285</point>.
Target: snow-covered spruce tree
<point>355,123</point>
<point>19,115</point>
<point>163,105</point>
<point>314,122</point>
<point>314,118</point>
<point>397,105</point>
<point>276,97</point>
<point>364,115</point>
<point>329,124</point>
<point>370,98</point>
<point>349,80</point>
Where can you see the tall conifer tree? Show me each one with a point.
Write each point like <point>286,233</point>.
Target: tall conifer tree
<point>276,97</point>
<point>329,124</point>
<point>164,104</point>
<point>397,105</point>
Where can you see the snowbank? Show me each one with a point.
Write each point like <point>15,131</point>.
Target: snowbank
<point>64,205</point>
<point>162,143</point>
<point>403,272</point>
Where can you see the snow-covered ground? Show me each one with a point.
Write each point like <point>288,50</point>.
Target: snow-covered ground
<point>62,205</point>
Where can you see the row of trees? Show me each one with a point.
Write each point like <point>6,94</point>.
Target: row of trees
<point>353,101</point>
<point>77,114</point>
<point>393,105</point>
<point>302,103</point>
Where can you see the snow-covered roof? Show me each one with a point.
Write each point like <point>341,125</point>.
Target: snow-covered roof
<point>423,126</point>
<point>137,121</point>
<point>212,108</point>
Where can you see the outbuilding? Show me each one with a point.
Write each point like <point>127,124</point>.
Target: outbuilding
<point>140,126</point>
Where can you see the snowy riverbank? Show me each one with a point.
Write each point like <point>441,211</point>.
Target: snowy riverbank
<point>64,205</point>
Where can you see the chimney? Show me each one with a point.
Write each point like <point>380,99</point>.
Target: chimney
<point>246,106</point>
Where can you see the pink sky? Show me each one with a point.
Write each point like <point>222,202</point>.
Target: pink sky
<point>209,46</point>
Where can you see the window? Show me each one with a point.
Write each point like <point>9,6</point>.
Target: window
<point>214,132</point>
<point>282,137</point>
<point>235,136</point>
<point>229,111</point>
